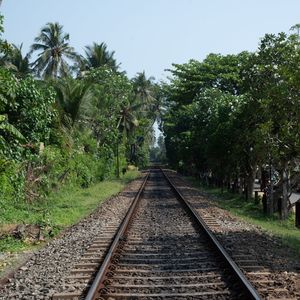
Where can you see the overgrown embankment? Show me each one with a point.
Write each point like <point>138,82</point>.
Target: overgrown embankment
<point>24,225</point>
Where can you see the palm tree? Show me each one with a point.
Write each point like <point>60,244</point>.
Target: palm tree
<point>55,51</point>
<point>143,89</point>
<point>96,56</point>
<point>296,28</point>
<point>127,119</point>
<point>127,122</point>
<point>16,62</point>
<point>71,95</point>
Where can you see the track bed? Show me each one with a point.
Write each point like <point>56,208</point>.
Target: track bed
<point>166,254</point>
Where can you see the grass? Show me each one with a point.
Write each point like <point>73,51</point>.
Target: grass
<point>59,210</point>
<point>253,213</point>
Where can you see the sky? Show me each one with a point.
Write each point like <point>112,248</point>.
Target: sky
<point>150,35</point>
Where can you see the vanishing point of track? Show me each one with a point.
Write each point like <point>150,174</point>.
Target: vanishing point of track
<point>163,249</point>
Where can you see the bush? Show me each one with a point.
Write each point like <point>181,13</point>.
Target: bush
<point>12,181</point>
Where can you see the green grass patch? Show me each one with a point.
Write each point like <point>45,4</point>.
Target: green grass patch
<point>12,245</point>
<point>253,213</point>
<point>59,210</point>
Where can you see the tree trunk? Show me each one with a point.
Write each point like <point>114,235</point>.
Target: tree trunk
<point>240,188</point>
<point>222,185</point>
<point>285,196</point>
<point>256,198</point>
<point>235,185</point>
<point>270,195</point>
<point>228,183</point>
<point>250,184</point>
<point>297,223</point>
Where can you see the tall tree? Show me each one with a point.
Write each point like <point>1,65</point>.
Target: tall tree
<point>55,51</point>
<point>71,95</point>
<point>127,118</point>
<point>97,55</point>
<point>143,87</point>
<point>16,62</point>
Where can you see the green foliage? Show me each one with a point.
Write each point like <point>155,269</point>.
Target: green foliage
<point>9,129</point>
<point>64,133</point>
<point>61,208</point>
<point>228,115</point>
<point>71,95</point>
<point>10,136</point>
<point>12,181</point>
<point>16,62</point>
<point>34,114</point>
<point>61,136</point>
<point>8,89</point>
<point>26,109</point>
<point>5,47</point>
<point>216,71</point>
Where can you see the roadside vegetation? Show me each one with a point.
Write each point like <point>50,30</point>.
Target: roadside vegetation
<point>70,127</point>
<point>231,120</point>
<point>33,224</point>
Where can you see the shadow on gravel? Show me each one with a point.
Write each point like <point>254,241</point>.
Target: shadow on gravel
<point>267,251</point>
<point>129,194</point>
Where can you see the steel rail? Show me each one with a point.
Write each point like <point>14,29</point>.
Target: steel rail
<point>98,281</point>
<point>247,286</point>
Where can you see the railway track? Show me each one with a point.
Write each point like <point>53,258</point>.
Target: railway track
<point>162,250</point>
<point>247,251</point>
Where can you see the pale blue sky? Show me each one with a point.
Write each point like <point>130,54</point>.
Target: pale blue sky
<point>151,35</point>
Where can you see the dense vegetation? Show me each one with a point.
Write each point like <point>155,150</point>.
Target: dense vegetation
<point>232,118</point>
<point>68,119</point>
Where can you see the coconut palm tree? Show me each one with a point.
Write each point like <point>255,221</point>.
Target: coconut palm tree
<point>143,89</point>
<point>96,56</point>
<point>16,62</point>
<point>55,51</point>
<point>71,95</point>
<point>127,118</point>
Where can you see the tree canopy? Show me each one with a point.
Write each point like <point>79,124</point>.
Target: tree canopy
<point>230,116</point>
